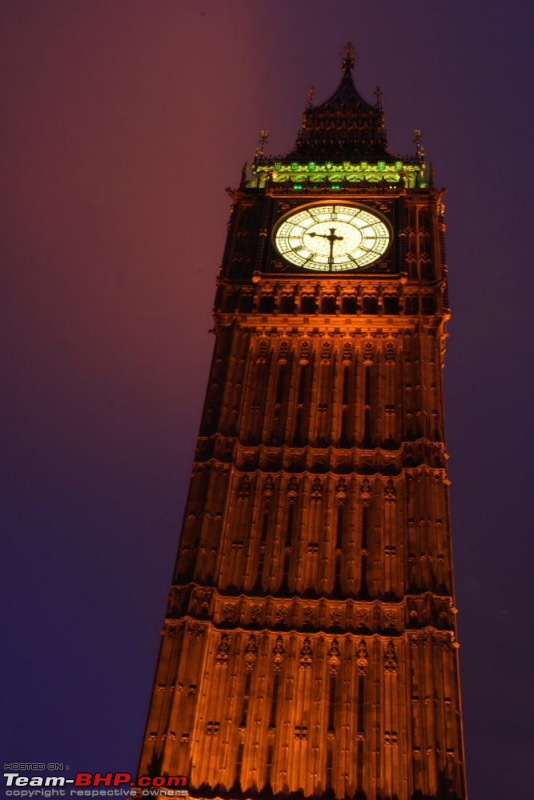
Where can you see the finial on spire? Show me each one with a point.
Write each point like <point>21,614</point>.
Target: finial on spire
<point>418,141</point>
<point>260,150</point>
<point>311,95</point>
<point>378,95</point>
<point>349,56</point>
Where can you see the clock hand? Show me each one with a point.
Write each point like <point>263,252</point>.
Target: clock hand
<point>331,238</point>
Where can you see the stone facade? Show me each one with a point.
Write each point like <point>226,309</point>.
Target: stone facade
<point>309,647</point>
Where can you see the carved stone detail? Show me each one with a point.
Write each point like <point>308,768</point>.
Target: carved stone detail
<point>244,488</point>
<point>278,653</point>
<point>292,488</point>
<point>390,658</point>
<point>301,732</point>
<point>362,657</point>
<point>334,657</point>
<point>317,490</point>
<point>268,488</point>
<point>251,652</point>
<point>306,654</point>
<point>390,492</point>
<point>222,655</point>
<point>347,352</point>
<point>341,491</point>
<point>390,618</point>
<point>229,610</point>
<point>201,602</point>
<point>365,491</point>
<point>362,617</point>
<point>281,615</point>
<point>212,728</point>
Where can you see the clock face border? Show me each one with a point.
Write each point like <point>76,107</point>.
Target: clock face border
<point>325,268</point>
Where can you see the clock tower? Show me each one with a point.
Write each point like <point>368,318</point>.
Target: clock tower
<point>309,647</point>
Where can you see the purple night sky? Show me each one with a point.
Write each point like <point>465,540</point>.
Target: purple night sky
<point>124,121</point>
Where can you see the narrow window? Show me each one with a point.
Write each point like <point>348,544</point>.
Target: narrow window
<point>349,305</point>
<point>261,562</point>
<point>239,761</point>
<point>269,764</point>
<point>331,702</point>
<point>290,524</point>
<point>367,385</point>
<point>307,305</point>
<point>302,384</point>
<point>361,703</point>
<point>338,573</point>
<point>265,524</point>
<point>274,700</point>
<point>329,766</point>
<point>360,764</point>
<point>367,439</point>
<point>281,384</point>
<point>339,526</point>
<point>391,304</point>
<point>246,699</point>
<point>365,526</point>
<point>363,589</point>
<point>285,576</point>
<point>287,305</point>
<point>267,303</point>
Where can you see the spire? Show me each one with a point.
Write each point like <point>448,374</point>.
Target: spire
<point>345,127</point>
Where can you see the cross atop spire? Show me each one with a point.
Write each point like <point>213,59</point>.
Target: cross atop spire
<point>349,56</point>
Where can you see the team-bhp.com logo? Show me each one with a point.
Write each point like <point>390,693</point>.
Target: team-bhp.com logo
<point>94,784</point>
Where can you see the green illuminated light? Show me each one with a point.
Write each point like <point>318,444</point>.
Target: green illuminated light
<point>338,175</point>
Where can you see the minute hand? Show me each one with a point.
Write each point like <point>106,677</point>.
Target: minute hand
<point>330,237</point>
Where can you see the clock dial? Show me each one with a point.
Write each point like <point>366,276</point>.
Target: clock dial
<point>332,238</point>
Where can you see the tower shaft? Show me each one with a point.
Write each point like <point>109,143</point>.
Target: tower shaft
<point>309,646</point>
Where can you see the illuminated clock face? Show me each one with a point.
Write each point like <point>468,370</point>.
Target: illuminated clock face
<point>332,238</point>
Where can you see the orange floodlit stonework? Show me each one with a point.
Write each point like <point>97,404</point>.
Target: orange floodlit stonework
<point>309,648</point>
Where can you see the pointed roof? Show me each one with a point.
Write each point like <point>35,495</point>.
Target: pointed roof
<point>345,127</point>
